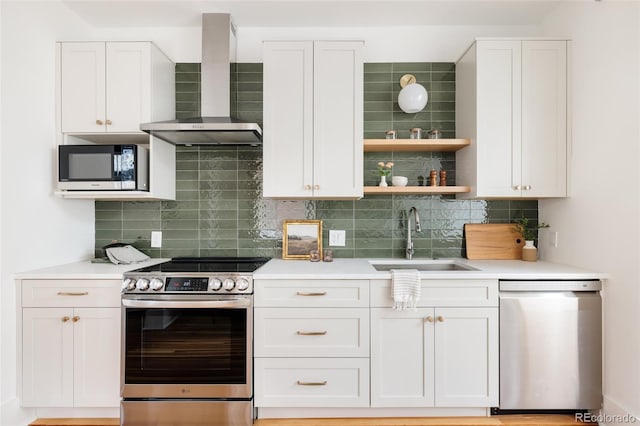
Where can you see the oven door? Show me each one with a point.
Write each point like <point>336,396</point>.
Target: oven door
<point>186,347</point>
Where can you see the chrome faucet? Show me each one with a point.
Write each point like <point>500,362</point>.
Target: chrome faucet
<point>410,250</point>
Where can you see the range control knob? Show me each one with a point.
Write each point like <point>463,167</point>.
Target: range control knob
<point>156,284</point>
<point>242,284</point>
<point>142,284</point>
<point>215,284</point>
<point>228,284</point>
<point>129,284</point>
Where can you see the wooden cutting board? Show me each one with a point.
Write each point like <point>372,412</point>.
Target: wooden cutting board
<point>493,241</point>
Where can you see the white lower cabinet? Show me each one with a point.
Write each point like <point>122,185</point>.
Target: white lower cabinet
<point>70,343</point>
<point>443,354</point>
<point>434,357</point>
<point>311,343</point>
<point>322,353</point>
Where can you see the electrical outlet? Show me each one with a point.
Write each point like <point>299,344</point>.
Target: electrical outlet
<point>337,238</point>
<point>156,239</point>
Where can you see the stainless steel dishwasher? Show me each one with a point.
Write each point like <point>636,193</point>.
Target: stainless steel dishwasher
<point>550,345</point>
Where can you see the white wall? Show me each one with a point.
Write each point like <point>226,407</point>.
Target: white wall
<point>383,44</point>
<point>599,225</point>
<point>37,229</point>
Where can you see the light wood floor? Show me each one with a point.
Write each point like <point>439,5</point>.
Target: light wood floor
<point>508,420</point>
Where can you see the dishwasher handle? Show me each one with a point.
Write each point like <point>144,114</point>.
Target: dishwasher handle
<point>550,285</point>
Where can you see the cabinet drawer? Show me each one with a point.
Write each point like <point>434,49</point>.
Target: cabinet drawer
<point>66,293</point>
<point>442,293</point>
<point>308,332</point>
<point>311,382</point>
<point>311,293</point>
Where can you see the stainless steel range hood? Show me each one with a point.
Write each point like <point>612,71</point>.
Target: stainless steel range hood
<point>215,126</point>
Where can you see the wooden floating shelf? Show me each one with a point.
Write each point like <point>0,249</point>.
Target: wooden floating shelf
<point>423,190</point>
<point>406,145</point>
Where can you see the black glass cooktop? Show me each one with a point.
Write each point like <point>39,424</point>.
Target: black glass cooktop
<point>208,264</point>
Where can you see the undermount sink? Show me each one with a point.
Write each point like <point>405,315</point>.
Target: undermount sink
<point>426,265</point>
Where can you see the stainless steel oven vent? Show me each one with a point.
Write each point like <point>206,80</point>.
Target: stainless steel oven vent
<point>215,126</point>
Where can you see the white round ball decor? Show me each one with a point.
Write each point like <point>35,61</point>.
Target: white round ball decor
<point>413,98</point>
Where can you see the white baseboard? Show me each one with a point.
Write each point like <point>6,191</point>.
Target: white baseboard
<point>71,412</point>
<point>15,415</point>
<point>321,412</point>
<point>613,413</point>
<point>12,414</point>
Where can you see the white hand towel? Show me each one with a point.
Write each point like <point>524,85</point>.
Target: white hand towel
<point>405,287</point>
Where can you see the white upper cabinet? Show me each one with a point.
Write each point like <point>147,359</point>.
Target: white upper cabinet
<point>511,99</point>
<point>112,87</point>
<point>313,100</point>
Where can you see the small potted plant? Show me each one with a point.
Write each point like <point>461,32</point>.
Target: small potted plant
<point>529,233</point>
<point>384,169</point>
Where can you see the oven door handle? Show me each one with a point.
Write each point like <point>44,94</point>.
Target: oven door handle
<point>177,304</point>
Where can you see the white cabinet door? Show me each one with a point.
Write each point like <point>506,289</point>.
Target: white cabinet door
<point>313,94</point>
<point>337,127</point>
<point>544,118</point>
<point>83,79</point>
<point>109,87</point>
<point>498,94</point>
<point>512,100</point>
<point>47,357</point>
<point>96,357</point>
<point>128,86</point>
<point>466,357</point>
<point>402,354</point>
<point>288,119</point>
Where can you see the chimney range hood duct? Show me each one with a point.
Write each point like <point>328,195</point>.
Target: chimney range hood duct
<point>215,126</point>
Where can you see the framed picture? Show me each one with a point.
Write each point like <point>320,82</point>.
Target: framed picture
<point>299,237</point>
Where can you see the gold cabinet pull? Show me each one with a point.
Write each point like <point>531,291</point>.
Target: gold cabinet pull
<point>65,319</point>
<point>109,123</point>
<point>517,187</point>
<point>301,383</point>
<point>316,186</point>
<point>429,318</point>
<point>73,293</point>
<point>307,187</point>
<point>440,318</point>
<point>99,122</point>
<point>311,293</point>
<point>311,333</point>
<point>76,318</point>
<point>527,187</point>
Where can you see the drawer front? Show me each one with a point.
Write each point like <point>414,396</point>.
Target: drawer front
<point>311,382</point>
<point>71,293</point>
<point>441,293</point>
<point>308,332</point>
<point>311,293</point>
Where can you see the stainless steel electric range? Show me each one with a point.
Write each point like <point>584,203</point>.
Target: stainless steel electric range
<point>187,343</point>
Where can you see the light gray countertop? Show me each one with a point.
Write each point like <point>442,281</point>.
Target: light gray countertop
<point>85,270</point>
<point>338,269</point>
<point>363,269</point>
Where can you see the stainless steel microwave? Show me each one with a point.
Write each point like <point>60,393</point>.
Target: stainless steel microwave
<point>103,168</point>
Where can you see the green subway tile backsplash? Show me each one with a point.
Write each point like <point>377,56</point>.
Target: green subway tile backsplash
<point>219,209</point>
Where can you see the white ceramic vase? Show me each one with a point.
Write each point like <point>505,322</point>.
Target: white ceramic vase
<point>383,181</point>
